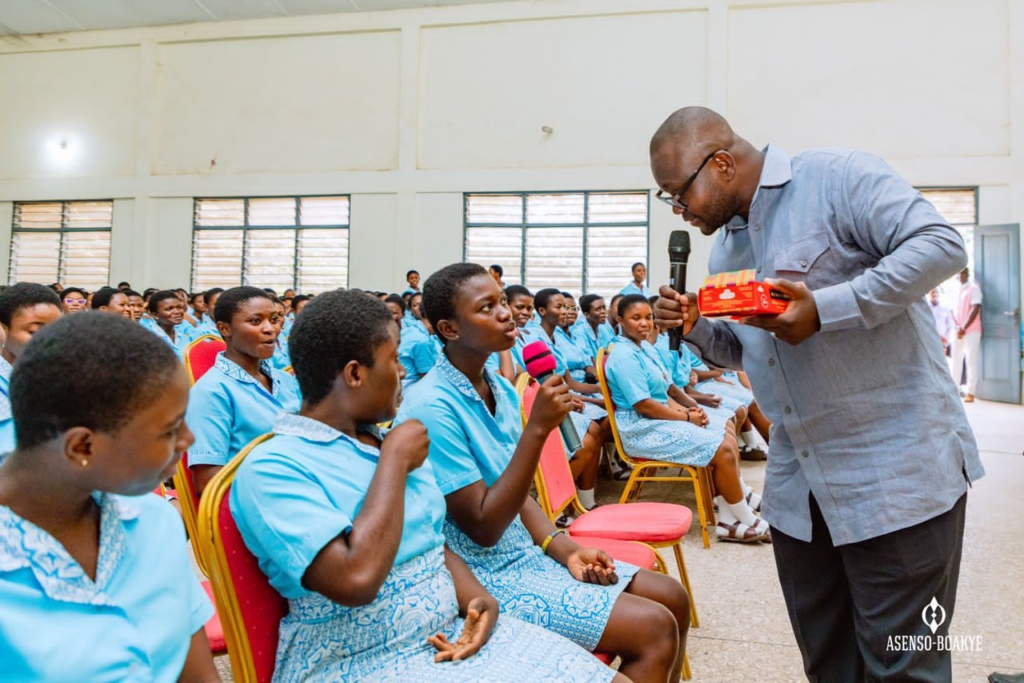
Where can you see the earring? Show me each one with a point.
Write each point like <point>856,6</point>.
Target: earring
<point>85,463</point>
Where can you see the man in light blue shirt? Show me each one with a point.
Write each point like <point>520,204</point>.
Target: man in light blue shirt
<point>864,490</point>
<point>639,282</point>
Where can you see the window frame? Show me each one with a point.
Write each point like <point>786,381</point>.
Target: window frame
<point>524,224</point>
<point>974,189</point>
<point>61,231</point>
<point>295,228</point>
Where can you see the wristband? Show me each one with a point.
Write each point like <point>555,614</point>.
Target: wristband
<point>547,541</point>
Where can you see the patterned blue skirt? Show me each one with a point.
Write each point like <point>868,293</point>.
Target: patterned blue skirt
<point>581,421</point>
<point>534,588</point>
<point>669,440</point>
<point>733,395</point>
<point>386,640</point>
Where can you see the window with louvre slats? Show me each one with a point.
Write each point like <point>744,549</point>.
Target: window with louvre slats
<point>278,242</point>
<point>581,242</point>
<point>66,242</point>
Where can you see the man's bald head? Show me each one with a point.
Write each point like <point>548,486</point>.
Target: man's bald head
<point>693,128</point>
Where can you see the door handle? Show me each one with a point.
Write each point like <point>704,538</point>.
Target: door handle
<point>1012,314</point>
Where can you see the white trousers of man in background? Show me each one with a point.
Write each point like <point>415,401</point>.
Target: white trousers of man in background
<point>969,345</point>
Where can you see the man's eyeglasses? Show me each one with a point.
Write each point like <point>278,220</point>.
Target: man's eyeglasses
<point>673,200</point>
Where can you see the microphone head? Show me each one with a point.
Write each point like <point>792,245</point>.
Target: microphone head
<point>679,243</point>
<point>539,359</point>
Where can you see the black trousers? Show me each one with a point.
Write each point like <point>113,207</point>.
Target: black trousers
<point>853,607</point>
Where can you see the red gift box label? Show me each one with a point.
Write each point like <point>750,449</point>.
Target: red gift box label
<point>739,294</point>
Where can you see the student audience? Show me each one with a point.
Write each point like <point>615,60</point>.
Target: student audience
<point>357,529</point>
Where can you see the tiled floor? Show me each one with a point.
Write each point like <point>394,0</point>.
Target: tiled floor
<point>745,634</point>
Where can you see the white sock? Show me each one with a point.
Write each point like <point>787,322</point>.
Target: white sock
<point>752,439</point>
<point>587,498</point>
<point>724,513</point>
<point>746,487</point>
<point>743,513</point>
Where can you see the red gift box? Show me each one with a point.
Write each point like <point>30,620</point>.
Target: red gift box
<point>738,294</point>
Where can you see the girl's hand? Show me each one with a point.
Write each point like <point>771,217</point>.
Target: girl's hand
<point>481,616</point>
<point>590,565</point>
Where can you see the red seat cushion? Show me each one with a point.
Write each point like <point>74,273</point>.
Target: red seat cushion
<point>624,551</point>
<point>214,631</point>
<point>648,522</point>
<point>605,657</point>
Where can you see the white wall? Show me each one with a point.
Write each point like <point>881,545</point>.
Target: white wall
<point>406,110</point>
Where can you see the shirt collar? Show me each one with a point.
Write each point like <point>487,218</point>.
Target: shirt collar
<point>460,381</point>
<point>776,171</point>
<point>25,545</point>
<point>5,368</point>
<point>313,430</point>
<point>235,372</point>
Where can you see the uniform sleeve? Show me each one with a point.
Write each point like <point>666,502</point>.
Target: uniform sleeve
<point>211,418</point>
<point>626,380</point>
<point>679,368</point>
<point>285,517</point>
<point>450,455</point>
<point>291,395</point>
<point>201,607</point>
<point>424,355</point>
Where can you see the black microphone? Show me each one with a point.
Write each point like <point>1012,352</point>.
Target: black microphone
<point>678,255</point>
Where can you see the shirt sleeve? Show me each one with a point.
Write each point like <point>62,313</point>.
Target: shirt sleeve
<point>626,380</point>
<point>201,607</point>
<point>424,355</point>
<point>717,342</point>
<point>450,455</point>
<point>976,295</point>
<point>286,518</point>
<point>890,220</point>
<point>211,418</point>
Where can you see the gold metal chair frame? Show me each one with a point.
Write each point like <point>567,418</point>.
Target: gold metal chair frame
<point>221,580</point>
<point>647,470</point>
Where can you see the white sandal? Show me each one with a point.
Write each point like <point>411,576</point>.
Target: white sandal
<point>738,532</point>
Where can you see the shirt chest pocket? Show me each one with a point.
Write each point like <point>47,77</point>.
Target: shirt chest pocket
<point>806,260</point>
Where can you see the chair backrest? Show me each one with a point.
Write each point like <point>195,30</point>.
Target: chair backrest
<point>201,354</point>
<point>249,607</point>
<point>606,394</point>
<point>556,489</point>
<point>189,503</point>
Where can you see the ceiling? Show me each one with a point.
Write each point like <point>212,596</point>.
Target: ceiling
<point>18,17</point>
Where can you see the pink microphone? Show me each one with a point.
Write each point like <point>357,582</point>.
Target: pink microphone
<point>540,364</point>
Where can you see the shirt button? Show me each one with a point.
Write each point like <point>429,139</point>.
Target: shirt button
<point>803,263</point>
<point>759,269</point>
<point>788,410</point>
<point>757,226</point>
<point>804,453</point>
<point>771,362</point>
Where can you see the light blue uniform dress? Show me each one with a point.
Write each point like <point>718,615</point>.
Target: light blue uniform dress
<point>467,445</point>
<point>133,623</point>
<point>636,373</point>
<point>417,352</point>
<point>6,418</point>
<point>631,288</point>
<point>590,341</point>
<point>733,395</point>
<point>293,495</point>
<point>679,373</point>
<point>183,335</point>
<point>280,360</point>
<point>528,335</point>
<point>228,408</point>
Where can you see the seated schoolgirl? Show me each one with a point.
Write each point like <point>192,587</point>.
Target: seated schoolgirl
<point>25,308</point>
<point>280,359</point>
<point>414,313</point>
<point>592,331</point>
<point>396,304</point>
<point>75,299</point>
<point>240,397</point>
<point>484,461</point>
<point>135,305</point>
<point>95,578</point>
<point>111,300</point>
<point>167,315</point>
<point>417,351</point>
<point>347,525</point>
<point>650,427</point>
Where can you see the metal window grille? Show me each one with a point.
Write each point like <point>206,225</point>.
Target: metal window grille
<point>581,242</point>
<point>66,242</point>
<point>297,243</point>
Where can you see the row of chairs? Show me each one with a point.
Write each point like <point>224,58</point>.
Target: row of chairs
<point>249,609</point>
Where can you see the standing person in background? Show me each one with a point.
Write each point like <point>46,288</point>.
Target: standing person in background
<point>856,340</point>
<point>413,278</point>
<point>967,340</point>
<point>497,272</point>
<point>943,319</point>
<point>639,283</point>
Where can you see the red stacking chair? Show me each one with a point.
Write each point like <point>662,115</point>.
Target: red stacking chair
<point>647,470</point>
<point>201,354</point>
<point>656,524</point>
<point>250,609</point>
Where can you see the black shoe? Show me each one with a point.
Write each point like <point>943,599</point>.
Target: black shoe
<point>753,454</point>
<point>1005,678</point>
